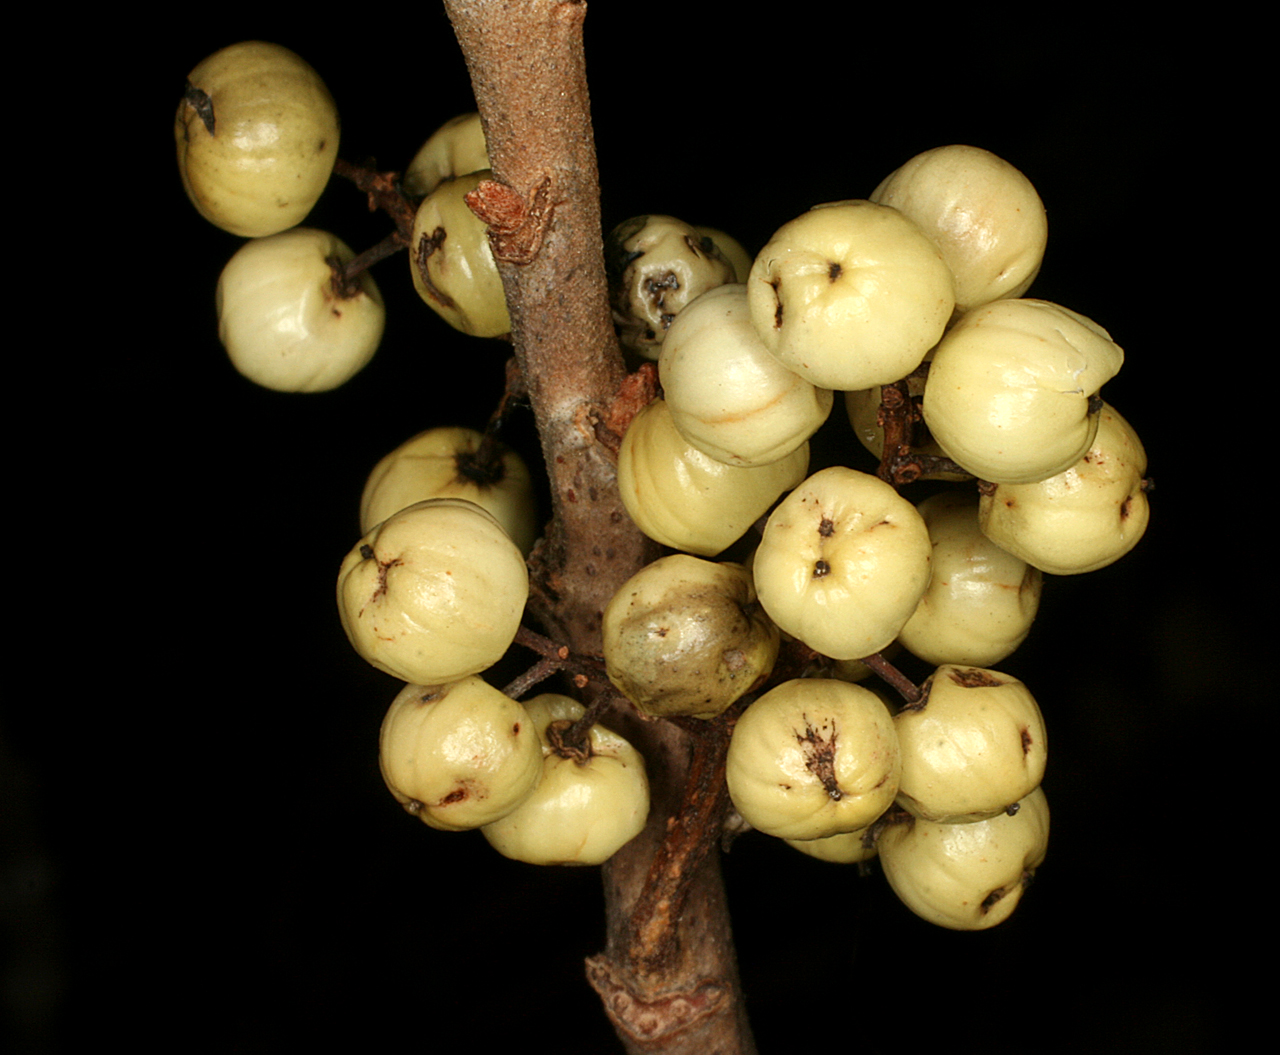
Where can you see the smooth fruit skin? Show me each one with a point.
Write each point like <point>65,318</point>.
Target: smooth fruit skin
<point>434,593</point>
<point>843,563</point>
<point>273,143</point>
<point>850,295</point>
<point>982,213</point>
<point>580,813</point>
<point>282,321</point>
<point>1010,389</point>
<point>812,758</point>
<point>458,756</point>
<point>973,745</point>
<point>981,599</point>
<point>688,500</point>
<point>966,876</point>
<point>1082,519</point>
<point>456,148</point>
<point>727,395</point>
<point>458,277</point>
<point>427,466</point>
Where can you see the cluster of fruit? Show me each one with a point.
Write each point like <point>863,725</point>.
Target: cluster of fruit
<point>919,286</point>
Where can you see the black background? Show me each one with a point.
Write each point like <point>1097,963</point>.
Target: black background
<point>199,828</point>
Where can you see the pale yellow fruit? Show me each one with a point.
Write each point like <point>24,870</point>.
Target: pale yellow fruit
<point>847,848</point>
<point>458,756</point>
<point>658,265</point>
<point>973,745</point>
<point>850,295</point>
<point>456,148</point>
<point>284,322</point>
<point>813,758</point>
<point>1082,519</point>
<point>274,138</point>
<point>981,599</point>
<point>966,876</point>
<point>451,263</point>
<point>688,500</point>
<point>581,812</point>
<point>434,593</point>
<point>732,250</point>
<point>727,395</point>
<point>684,636</point>
<point>843,563</point>
<point>1010,389</point>
<point>437,464</point>
<point>980,211</point>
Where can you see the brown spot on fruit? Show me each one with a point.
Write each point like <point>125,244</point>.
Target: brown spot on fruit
<point>973,678</point>
<point>834,271</point>
<point>1026,742</point>
<point>827,527</point>
<point>821,568</point>
<point>989,902</point>
<point>820,757</point>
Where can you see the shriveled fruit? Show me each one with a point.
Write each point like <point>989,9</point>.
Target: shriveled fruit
<point>684,636</point>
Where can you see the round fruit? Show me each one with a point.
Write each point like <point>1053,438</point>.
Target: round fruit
<point>972,745</point>
<point>433,593</point>
<point>456,148</point>
<point>813,758</point>
<point>850,295</point>
<point>459,756</point>
<point>980,211</point>
<point>287,320</point>
<point>981,600</point>
<point>1011,389</point>
<point>843,563</point>
<point>966,876</point>
<point>583,809</point>
<point>257,135</point>
<point>688,500</point>
<point>684,636</point>
<point>440,463</point>
<point>1083,518</point>
<point>727,395</point>
<point>451,263</point>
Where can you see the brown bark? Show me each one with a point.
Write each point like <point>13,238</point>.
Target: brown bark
<point>667,977</point>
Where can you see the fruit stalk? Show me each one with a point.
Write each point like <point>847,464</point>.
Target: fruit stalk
<point>543,209</point>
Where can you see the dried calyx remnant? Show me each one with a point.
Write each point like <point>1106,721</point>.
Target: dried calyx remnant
<point>820,757</point>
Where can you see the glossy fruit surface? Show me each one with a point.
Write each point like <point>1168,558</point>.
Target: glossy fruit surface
<point>458,756</point>
<point>257,136</point>
<point>849,295</point>
<point>434,593</point>
<point>843,563</point>
<point>812,758</point>
<point>438,463</point>
<point>286,321</point>
<point>582,810</point>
